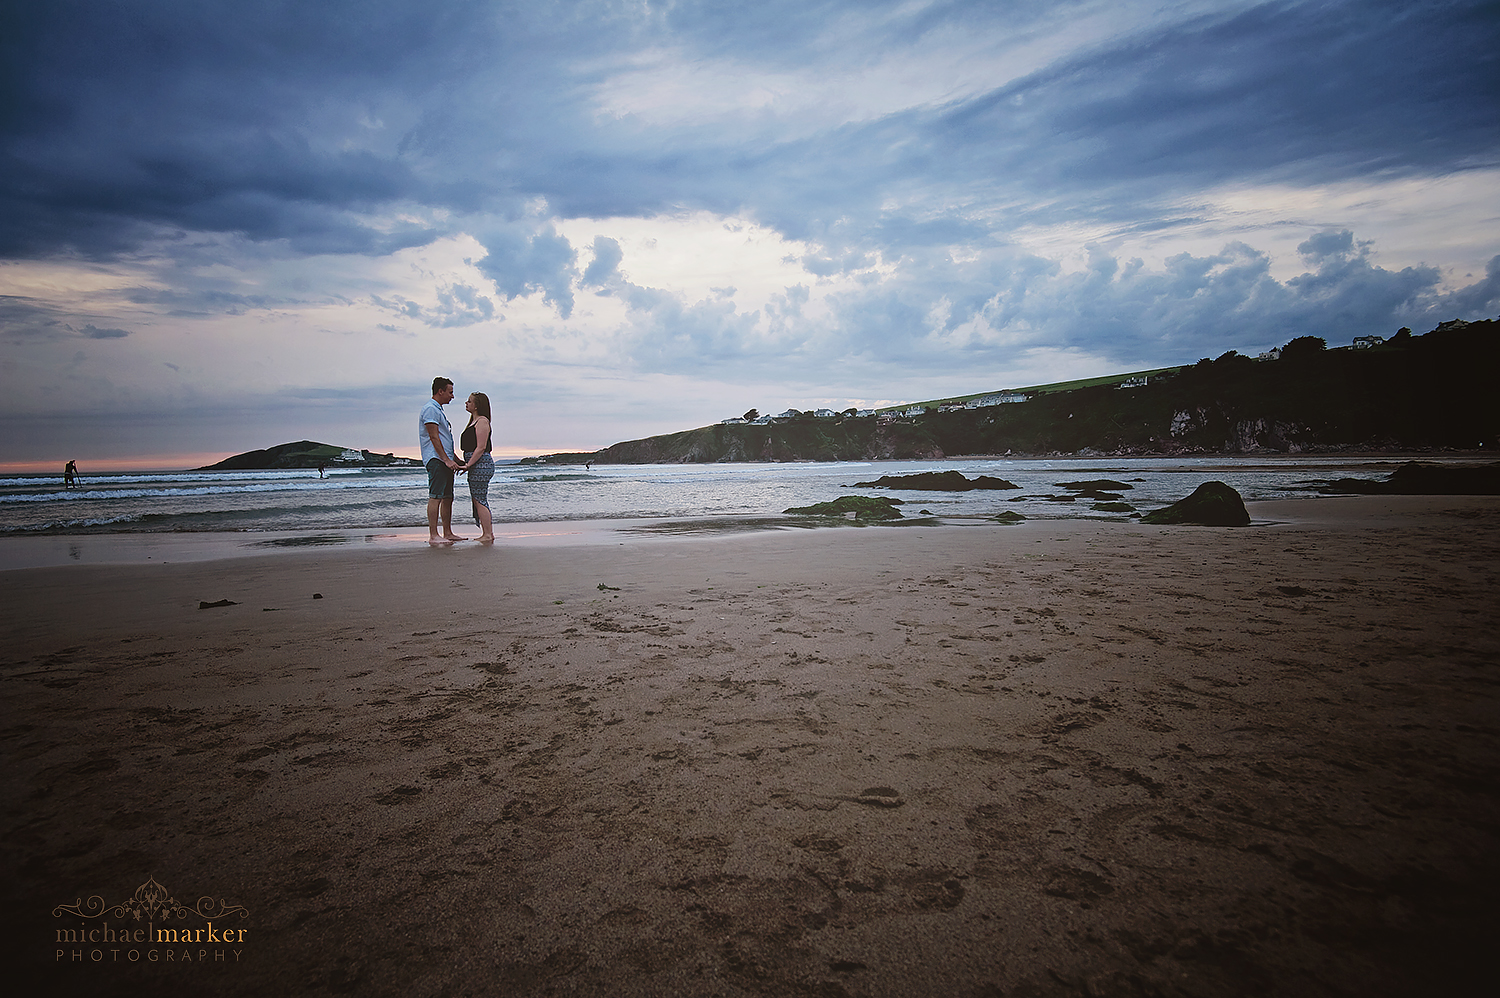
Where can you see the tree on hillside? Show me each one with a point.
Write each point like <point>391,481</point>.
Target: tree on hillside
<point>751,416</point>
<point>1303,347</point>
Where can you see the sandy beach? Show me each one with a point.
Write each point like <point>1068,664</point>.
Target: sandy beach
<point>1056,758</point>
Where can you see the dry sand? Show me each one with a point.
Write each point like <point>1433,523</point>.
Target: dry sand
<point>1056,758</point>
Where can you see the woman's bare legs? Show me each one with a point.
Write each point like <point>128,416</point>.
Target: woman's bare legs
<point>486,528</point>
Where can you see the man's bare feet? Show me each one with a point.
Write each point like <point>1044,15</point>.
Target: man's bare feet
<point>486,538</point>
<point>439,542</point>
<point>450,538</point>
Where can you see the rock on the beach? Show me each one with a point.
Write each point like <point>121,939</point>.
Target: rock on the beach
<point>1423,479</point>
<point>863,508</point>
<point>1212,504</point>
<point>1095,485</point>
<point>937,481</point>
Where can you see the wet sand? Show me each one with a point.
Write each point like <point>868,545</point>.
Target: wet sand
<point>1058,758</point>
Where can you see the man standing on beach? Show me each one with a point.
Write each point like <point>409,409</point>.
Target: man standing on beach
<point>436,439</point>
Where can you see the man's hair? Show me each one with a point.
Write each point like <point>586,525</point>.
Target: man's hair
<point>438,384</point>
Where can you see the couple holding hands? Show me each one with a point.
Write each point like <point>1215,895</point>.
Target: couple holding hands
<point>436,439</point>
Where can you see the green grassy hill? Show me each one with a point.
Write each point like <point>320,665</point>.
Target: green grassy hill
<point>1109,380</point>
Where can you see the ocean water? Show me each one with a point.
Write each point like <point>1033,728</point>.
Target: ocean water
<point>381,498</point>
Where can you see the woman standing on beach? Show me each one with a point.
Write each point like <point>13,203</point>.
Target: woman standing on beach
<point>477,444</point>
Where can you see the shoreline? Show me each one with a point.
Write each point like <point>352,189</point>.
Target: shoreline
<point>163,548</point>
<point>182,547</point>
<point>1065,757</point>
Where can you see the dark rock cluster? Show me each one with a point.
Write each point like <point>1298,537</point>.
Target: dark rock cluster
<point>937,481</point>
<point>1416,478</point>
<point>1212,504</point>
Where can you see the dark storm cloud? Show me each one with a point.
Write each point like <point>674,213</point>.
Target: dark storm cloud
<point>1315,92</point>
<point>368,126</point>
<point>1286,92</point>
<point>123,120</point>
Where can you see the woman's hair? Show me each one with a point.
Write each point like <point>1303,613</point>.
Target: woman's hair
<point>481,406</point>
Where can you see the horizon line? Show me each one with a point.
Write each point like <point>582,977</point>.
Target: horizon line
<point>195,461</point>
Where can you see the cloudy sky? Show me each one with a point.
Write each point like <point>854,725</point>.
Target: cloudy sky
<point>228,225</point>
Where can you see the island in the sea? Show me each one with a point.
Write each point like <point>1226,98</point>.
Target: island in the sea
<point>308,454</point>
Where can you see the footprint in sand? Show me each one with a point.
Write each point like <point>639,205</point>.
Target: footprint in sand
<point>397,796</point>
<point>1076,885</point>
<point>818,843</point>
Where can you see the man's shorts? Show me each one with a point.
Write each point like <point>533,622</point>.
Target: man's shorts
<point>439,480</point>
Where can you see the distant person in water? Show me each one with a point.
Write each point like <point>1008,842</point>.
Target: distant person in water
<point>477,443</point>
<point>436,439</point>
<point>320,470</point>
<point>70,474</point>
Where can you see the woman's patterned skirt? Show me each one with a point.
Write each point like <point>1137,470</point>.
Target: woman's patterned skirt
<point>479,481</point>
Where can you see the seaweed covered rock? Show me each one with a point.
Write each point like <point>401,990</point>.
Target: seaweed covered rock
<point>937,481</point>
<point>1008,516</point>
<point>1212,504</point>
<point>863,508</point>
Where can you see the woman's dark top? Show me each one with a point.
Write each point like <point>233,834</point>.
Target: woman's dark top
<point>470,437</point>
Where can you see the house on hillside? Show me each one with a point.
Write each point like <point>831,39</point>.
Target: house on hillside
<point>825,413</point>
<point>1272,354</point>
<point>1137,382</point>
<point>994,398</point>
<point>1367,342</point>
<point>731,420</point>
<point>349,455</point>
